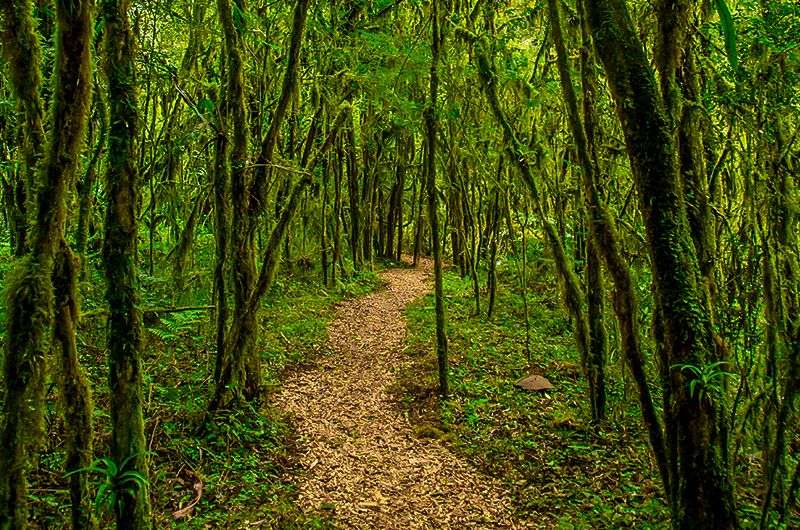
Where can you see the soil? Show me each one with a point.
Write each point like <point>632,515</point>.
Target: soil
<point>360,463</point>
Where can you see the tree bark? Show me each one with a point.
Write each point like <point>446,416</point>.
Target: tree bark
<point>433,215</point>
<point>704,492</point>
<point>75,394</point>
<point>29,291</point>
<point>22,50</point>
<point>128,443</point>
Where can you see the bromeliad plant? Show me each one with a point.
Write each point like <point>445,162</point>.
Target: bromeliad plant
<point>117,481</point>
<point>704,379</point>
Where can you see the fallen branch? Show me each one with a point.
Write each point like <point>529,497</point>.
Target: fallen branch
<point>197,486</point>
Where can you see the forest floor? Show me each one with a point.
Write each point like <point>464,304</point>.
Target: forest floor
<point>361,462</point>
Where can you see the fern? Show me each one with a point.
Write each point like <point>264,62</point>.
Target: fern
<point>173,326</point>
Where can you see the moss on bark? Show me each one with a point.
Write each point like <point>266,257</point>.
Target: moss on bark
<point>119,262</point>
<point>22,50</point>
<point>703,490</point>
<point>29,287</point>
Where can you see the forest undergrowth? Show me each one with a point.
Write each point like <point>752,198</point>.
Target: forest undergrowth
<point>560,469</point>
<point>226,472</point>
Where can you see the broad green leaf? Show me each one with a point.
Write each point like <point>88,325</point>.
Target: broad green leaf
<point>729,33</point>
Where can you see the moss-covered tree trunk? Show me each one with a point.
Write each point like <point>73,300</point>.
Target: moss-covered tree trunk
<point>128,443</point>
<point>433,214</point>
<point>75,394</point>
<point>29,294</point>
<point>238,363</point>
<point>22,51</point>
<point>703,488</point>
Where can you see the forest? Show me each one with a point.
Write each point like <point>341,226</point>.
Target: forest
<point>289,264</point>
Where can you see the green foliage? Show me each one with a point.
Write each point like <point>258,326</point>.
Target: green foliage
<point>704,379</point>
<point>117,482</point>
<point>171,326</point>
<point>728,32</point>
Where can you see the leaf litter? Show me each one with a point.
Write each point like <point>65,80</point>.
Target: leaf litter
<point>360,463</point>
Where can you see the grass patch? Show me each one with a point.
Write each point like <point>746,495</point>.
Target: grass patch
<point>561,471</point>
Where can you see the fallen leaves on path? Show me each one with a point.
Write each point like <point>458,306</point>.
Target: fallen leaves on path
<point>360,461</point>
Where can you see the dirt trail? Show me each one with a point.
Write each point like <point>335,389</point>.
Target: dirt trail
<point>360,460</point>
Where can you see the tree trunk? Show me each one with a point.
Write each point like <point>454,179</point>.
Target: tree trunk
<point>703,486</point>
<point>128,443</point>
<point>338,170</point>
<point>77,399</point>
<point>222,229</point>
<point>495,235</point>
<point>353,194</point>
<point>22,50</point>
<point>433,215</point>
<point>29,290</point>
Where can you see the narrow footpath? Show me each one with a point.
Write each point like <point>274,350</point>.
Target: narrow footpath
<point>360,461</point>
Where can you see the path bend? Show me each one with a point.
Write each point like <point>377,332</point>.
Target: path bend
<point>359,459</point>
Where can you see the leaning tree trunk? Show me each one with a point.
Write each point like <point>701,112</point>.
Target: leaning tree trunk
<point>128,443</point>
<point>704,492</point>
<point>29,289</point>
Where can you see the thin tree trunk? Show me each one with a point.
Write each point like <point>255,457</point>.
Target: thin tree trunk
<point>87,183</point>
<point>419,229</point>
<point>338,169</point>
<point>353,194</point>
<point>433,215</point>
<point>495,234</point>
<point>324,244</point>
<point>407,161</point>
<point>288,88</point>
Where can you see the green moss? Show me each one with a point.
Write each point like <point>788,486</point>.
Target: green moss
<point>28,297</point>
